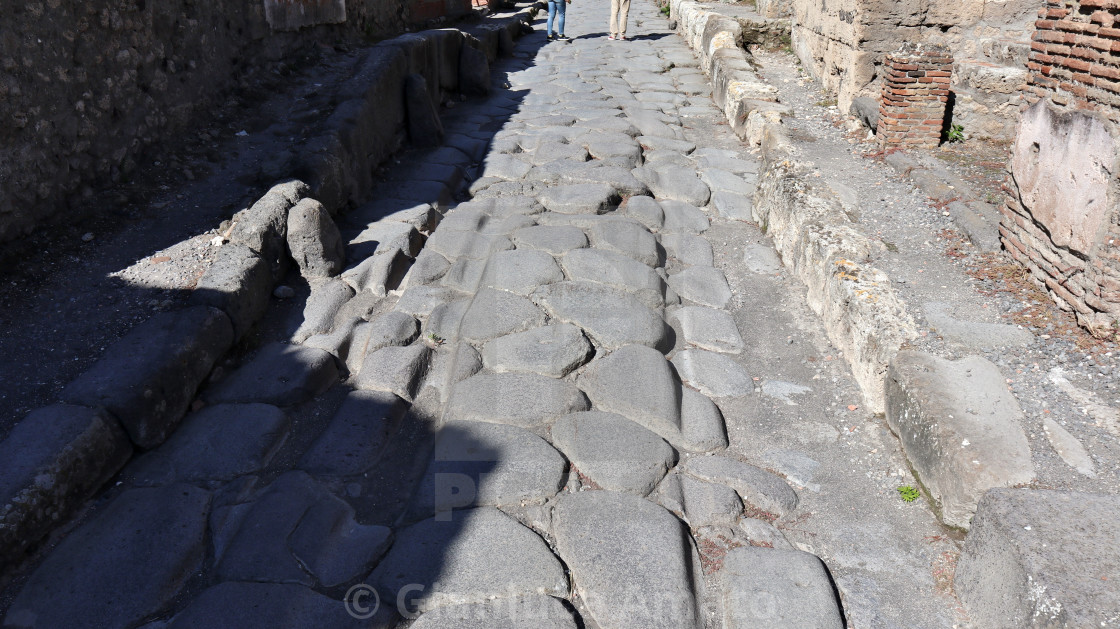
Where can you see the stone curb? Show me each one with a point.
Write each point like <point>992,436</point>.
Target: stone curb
<point>135,395</point>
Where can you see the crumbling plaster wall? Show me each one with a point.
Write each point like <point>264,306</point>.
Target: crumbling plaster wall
<point>843,43</point>
<point>87,87</point>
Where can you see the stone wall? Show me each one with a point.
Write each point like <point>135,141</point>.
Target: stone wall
<point>86,87</point>
<point>1062,215</point>
<point>843,43</point>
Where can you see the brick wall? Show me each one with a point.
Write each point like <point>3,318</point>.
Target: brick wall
<point>1062,215</point>
<point>915,92</point>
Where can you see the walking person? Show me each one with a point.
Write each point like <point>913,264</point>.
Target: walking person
<point>619,10</point>
<point>556,10</point>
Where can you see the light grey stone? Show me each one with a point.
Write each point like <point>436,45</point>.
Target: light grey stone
<point>708,158</point>
<point>713,374</point>
<point>314,241</point>
<point>645,210</point>
<point>674,184</point>
<point>688,249</point>
<point>552,350</point>
<point>580,198</point>
<point>961,429</point>
<point>480,464</point>
<point>725,181</point>
<point>733,205</point>
<point>762,534</point>
<point>503,207</point>
<point>554,239</point>
<point>218,442</point>
<point>614,452</point>
<point>611,317</point>
<point>421,301</point>
<point>656,143</point>
<point>698,502</point>
<point>761,259</point>
<point>627,238</point>
<point>428,267</point>
<point>280,374</point>
<point>618,271</point>
<point>396,370</point>
<point>327,296</point>
<point>384,237</point>
<point>530,612</point>
<point>783,589</point>
<point>1040,558</point>
<point>504,166</point>
<point>705,285</point>
<point>708,329</point>
<point>379,273</point>
<point>453,244</point>
<point>359,430</point>
<point>756,486</point>
<point>465,275</point>
<point>974,334</point>
<point>683,217</point>
<point>521,271</point>
<point>638,383</point>
<point>1069,448</point>
<point>446,320</point>
<point>390,328</point>
<point>450,364</point>
<point>493,313</point>
<point>632,562</point>
<point>525,400</point>
<point>477,555</point>
<point>702,427</point>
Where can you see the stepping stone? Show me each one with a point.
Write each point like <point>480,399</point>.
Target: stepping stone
<point>552,350</point>
<point>627,238</point>
<point>618,271</point>
<point>493,313</point>
<point>216,443</point>
<point>280,374</point>
<point>614,452</point>
<point>646,211</point>
<point>736,206</point>
<point>714,374</point>
<point>265,606</point>
<point>358,432</point>
<point>777,589</point>
<point>674,184</point>
<point>521,271</point>
<point>478,555</point>
<point>682,217</point>
<point>580,198</point>
<point>704,285</point>
<point>531,612</point>
<point>525,400</point>
<point>756,486</point>
<point>638,383</point>
<point>454,244</point>
<point>1039,558</point>
<point>298,532</point>
<point>708,329</point>
<point>554,239</point>
<point>620,546</point>
<point>725,181</point>
<point>421,301</point>
<point>611,317</point>
<point>92,577</point>
<point>480,464</point>
<point>396,370</point>
<point>700,503</point>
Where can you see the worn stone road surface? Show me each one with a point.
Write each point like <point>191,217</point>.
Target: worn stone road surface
<point>593,400</point>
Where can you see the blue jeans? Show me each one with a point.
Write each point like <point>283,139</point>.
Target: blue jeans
<point>555,7</point>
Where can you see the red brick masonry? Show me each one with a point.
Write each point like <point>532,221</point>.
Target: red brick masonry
<point>1075,55</point>
<point>912,109</point>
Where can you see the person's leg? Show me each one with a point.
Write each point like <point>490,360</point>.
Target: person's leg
<point>551,14</point>
<point>623,12</point>
<point>561,8</point>
<point>614,18</point>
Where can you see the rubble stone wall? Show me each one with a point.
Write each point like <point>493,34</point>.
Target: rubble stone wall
<point>86,87</point>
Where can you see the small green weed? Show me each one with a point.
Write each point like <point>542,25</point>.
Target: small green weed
<point>908,493</point>
<point>665,11</point>
<point>955,133</point>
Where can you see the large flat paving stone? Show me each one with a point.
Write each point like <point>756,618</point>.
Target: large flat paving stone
<point>713,374</point>
<point>638,383</point>
<point>708,328</point>
<point>551,350</point>
<point>632,561</point>
<point>478,464</point>
<point>629,239</point>
<point>356,436</point>
<point>1041,558</point>
<point>453,244</point>
<point>235,605</point>
<point>493,313</point>
<point>683,217</point>
<point>611,317</point>
<point>688,249</point>
<point>216,443</point>
<point>704,285</point>
<point>614,452</point>
<point>580,198</point>
<point>698,502</point>
<point>530,612</point>
<point>646,211</point>
<point>525,400</point>
<point>675,184</point>
<point>396,370</point>
<point>521,271</point>
<point>280,374</point>
<point>618,271</point>
<point>476,556</point>
<point>702,426</point>
<point>756,486</point>
<point>554,239</point>
<point>961,429</point>
<point>123,566</point>
<point>428,267</point>
<point>780,589</point>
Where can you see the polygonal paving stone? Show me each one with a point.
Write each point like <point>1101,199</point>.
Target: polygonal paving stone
<point>502,207</point>
<point>777,589</point>
<point>521,271</point>
<point>421,301</point>
<point>554,239</point>
<point>708,328</point>
<point>614,452</point>
<point>655,143</point>
<point>524,400</point>
<point>646,211</point>
<point>623,549</point>
<point>428,267</point>
<point>704,285</point>
<point>353,441</point>
<point>396,370</point>
<point>484,464</point>
<point>493,313</point>
<point>617,270</point>
<point>683,217</point>
<point>731,205</point>
<point>756,486</point>
<point>454,244</point>
<point>473,556</point>
<point>700,503</point>
<point>627,238</point>
<point>580,198</point>
<point>714,374</point>
<point>530,612</point>
<point>279,374</point>
<point>638,383</point>
<point>465,275</point>
<point>552,350</point>
<point>688,249</point>
<point>612,317</point>
<point>702,426</point>
<point>675,184</point>
<point>729,182</point>
<point>504,166</point>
